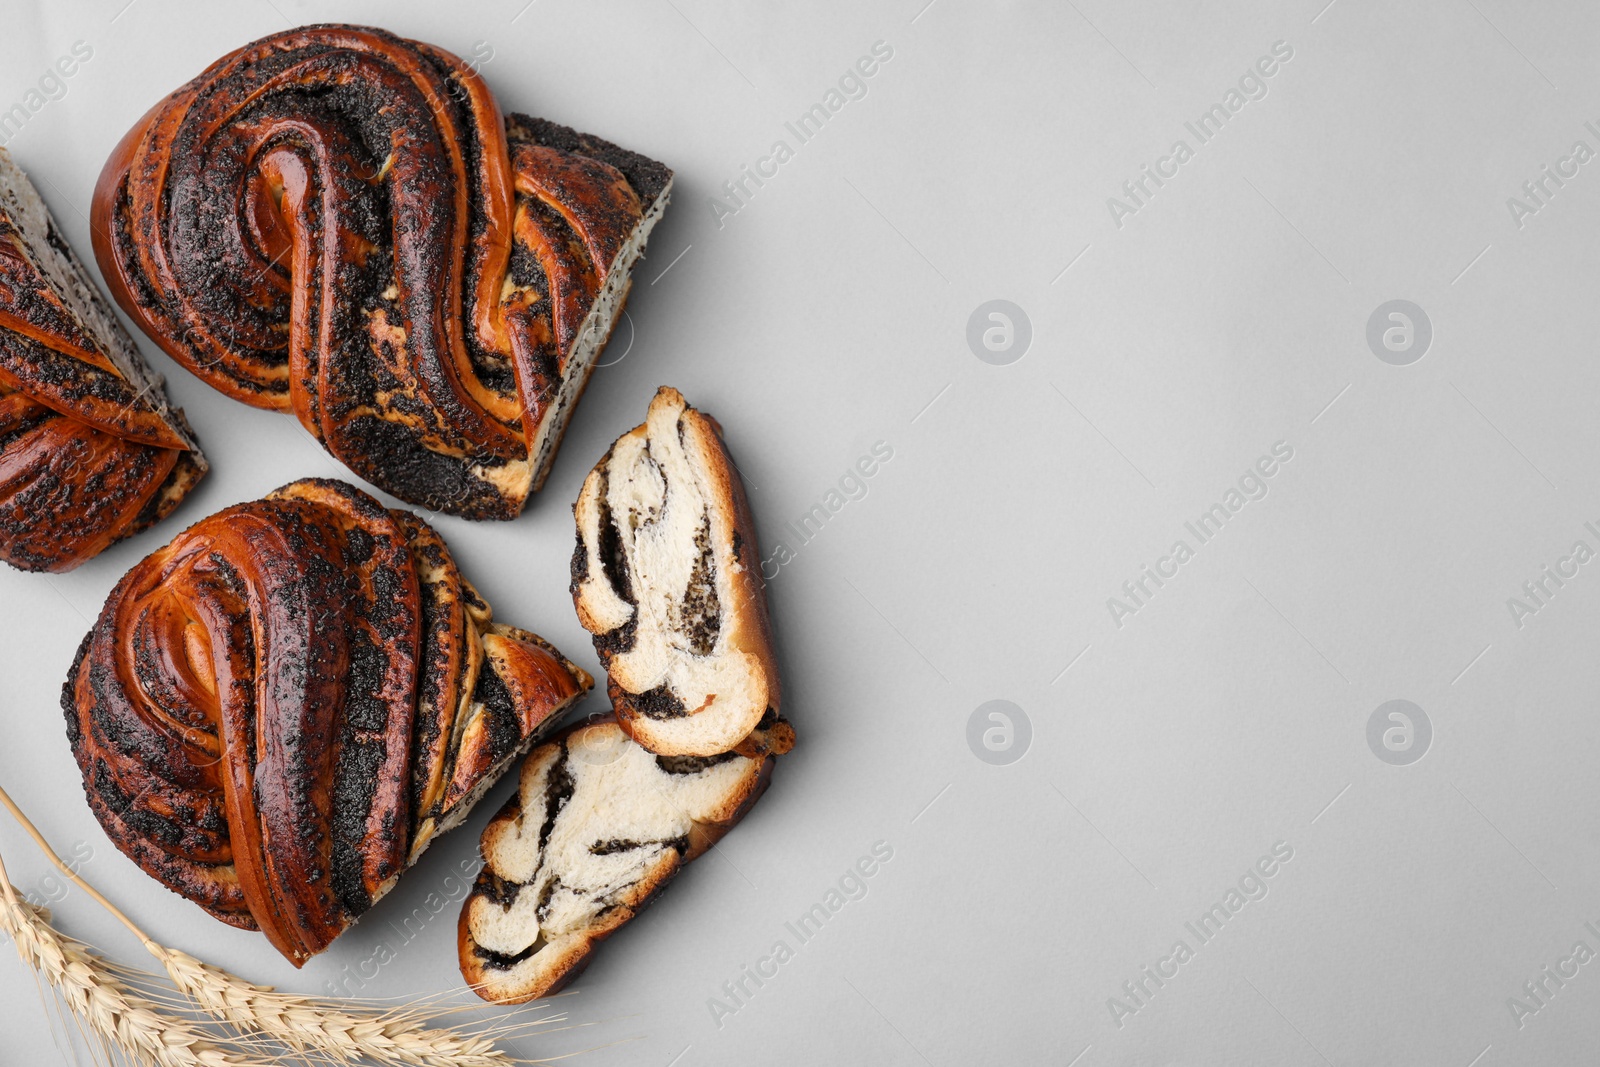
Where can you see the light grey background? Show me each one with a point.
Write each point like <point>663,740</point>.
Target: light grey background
<point>1167,754</point>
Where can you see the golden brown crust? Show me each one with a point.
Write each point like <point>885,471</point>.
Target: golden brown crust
<point>88,455</point>
<point>245,711</point>
<point>337,222</point>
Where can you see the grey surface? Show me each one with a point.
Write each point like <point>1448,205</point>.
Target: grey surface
<point>1169,753</point>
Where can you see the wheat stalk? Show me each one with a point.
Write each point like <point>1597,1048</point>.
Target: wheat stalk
<point>396,1037</point>
<point>114,1011</point>
<point>324,1028</point>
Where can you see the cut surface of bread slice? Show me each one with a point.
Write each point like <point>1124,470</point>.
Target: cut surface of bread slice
<point>666,576</point>
<point>597,827</point>
<point>90,451</point>
<point>544,155</point>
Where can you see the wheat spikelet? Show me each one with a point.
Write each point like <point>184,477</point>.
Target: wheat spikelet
<point>400,1038</point>
<point>112,1010</point>
<point>308,1028</point>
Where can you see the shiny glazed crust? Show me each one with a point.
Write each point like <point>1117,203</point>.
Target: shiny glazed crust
<point>278,711</point>
<point>90,453</point>
<point>339,223</point>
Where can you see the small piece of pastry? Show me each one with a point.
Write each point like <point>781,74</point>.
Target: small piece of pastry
<point>90,452</point>
<point>275,714</point>
<point>666,576</point>
<point>339,223</point>
<point>597,828</point>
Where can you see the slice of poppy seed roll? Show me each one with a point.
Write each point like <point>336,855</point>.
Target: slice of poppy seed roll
<point>596,829</point>
<point>666,576</point>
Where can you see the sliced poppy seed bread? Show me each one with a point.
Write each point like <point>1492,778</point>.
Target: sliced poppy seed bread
<point>597,827</point>
<point>666,576</point>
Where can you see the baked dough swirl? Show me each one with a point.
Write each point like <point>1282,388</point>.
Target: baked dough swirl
<point>90,451</point>
<point>339,223</point>
<point>278,711</point>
